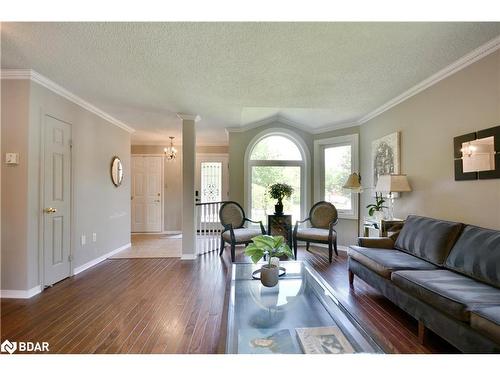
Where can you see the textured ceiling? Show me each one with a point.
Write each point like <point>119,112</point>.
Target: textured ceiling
<point>232,74</point>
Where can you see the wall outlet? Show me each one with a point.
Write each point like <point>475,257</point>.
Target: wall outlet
<point>11,158</point>
<point>83,240</point>
<point>94,237</point>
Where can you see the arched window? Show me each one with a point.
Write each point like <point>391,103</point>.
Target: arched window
<point>276,156</point>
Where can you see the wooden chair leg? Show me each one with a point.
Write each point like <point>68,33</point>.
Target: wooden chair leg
<point>422,332</point>
<point>295,248</point>
<point>335,247</point>
<point>233,246</point>
<point>351,278</point>
<point>307,246</point>
<point>222,244</point>
<point>330,252</point>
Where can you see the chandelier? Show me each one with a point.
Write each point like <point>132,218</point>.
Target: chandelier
<point>170,151</point>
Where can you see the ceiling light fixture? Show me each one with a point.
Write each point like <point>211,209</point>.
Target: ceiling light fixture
<point>170,151</point>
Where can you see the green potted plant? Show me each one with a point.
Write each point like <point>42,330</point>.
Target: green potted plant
<point>376,210</point>
<point>280,191</point>
<point>270,247</point>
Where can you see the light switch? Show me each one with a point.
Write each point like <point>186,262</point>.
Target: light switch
<point>11,158</point>
<point>94,237</point>
<point>83,240</point>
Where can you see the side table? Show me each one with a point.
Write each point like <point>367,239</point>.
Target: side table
<point>385,227</point>
<point>280,225</point>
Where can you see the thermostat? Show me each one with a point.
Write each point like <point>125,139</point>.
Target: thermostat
<point>11,158</point>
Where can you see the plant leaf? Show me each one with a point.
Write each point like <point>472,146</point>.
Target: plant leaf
<point>255,258</point>
<point>264,241</point>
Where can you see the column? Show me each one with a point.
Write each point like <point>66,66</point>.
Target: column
<point>188,188</point>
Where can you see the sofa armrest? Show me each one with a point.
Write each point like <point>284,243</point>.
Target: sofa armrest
<point>380,242</point>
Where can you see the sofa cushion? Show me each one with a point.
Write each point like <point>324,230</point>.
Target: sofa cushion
<point>450,292</point>
<point>241,234</point>
<point>427,238</point>
<point>386,261</point>
<point>477,254</point>
<point>487,321</point>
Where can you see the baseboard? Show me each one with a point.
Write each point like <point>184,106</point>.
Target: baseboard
<point>93,262</point>
<point>24,294</point>
<point>188,256</point>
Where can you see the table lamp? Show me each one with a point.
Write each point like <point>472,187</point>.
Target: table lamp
<point>354,183</point>
<point>392,183</point>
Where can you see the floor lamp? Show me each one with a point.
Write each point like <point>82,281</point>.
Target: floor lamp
<point>354,183</point>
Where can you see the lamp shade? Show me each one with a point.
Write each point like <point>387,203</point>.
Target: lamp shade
<point>393,183</point>
<point>353,182</point>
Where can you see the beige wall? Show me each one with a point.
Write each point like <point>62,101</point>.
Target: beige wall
<point>97,205</point>
<point>14,127</point>
<point>464,102</point>
<point>238,143</point>
<point>173,180</point>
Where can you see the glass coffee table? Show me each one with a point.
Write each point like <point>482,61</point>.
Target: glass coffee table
<point>299,315</point>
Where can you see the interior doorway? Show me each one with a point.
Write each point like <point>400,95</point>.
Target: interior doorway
<point>147,193</point>
<point>56,195</point>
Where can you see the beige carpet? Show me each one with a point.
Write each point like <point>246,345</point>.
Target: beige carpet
<point>152,246</point>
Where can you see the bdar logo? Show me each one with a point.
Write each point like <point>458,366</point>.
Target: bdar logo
<point>9,347</point>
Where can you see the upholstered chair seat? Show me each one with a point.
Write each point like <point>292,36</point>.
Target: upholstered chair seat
<point>241,234</point>
<point>319,234</point>
<point>323,217</point>
<point>233,219</point>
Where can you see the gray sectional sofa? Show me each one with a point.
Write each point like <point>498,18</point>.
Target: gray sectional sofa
<point>445,274</point>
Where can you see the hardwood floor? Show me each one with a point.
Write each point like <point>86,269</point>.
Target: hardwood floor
<point>173,306</point>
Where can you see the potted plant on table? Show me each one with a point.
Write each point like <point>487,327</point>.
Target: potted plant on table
<point>376,210</point>
<point>280,191</point>
<point>271,247</point>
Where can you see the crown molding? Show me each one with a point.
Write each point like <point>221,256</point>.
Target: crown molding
<point>61,91</point>
<point>266,121</point>
<point>286,121</point>
<point>477,54</point>
<point>189,117</point>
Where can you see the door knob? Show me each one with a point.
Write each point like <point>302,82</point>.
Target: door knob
<point>50,210</point>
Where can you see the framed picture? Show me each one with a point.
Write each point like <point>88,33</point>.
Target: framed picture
<point>385,156</point>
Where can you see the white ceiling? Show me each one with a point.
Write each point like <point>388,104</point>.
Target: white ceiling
<point>233,74</point>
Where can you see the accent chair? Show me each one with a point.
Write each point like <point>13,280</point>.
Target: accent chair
<point>233,219</point>
<point>323,216</point>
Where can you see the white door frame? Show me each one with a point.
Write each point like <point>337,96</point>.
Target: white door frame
<point>162,198</point>
<point>41,198</point>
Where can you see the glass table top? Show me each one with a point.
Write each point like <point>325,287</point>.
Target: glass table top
<point>299,315</point>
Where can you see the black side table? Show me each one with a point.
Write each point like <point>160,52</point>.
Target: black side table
<point>280,225</point>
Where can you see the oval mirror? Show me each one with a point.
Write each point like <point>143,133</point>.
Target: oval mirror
<point>116,171</point>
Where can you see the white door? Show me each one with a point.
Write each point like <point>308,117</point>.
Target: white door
<point>147,193</point>
<point>56,200</point>
<point>212,178</point>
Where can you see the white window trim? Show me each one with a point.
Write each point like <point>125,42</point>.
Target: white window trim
<point>319,167</point>
<point>305,172</point>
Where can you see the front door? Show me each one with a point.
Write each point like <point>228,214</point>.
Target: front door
<point>57,200</point>
<point>212,178</point>
<point>147,193</point>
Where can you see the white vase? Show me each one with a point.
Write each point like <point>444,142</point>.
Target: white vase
<point>379,215</point>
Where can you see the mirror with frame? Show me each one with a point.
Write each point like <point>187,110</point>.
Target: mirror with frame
<point>116,171</point>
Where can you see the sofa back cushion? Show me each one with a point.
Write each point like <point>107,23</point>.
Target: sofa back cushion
<point>477,254</point>
<point>427,238</point>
